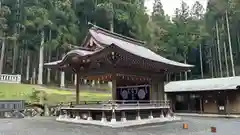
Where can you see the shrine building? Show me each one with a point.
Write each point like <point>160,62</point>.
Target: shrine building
<point>137,75</point>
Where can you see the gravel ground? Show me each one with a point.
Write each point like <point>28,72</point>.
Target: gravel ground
<point>48,126</point>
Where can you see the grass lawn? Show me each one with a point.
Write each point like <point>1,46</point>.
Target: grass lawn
<point>54,96</point>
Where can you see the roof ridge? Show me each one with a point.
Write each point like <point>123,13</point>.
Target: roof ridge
<point>84,48</point>
<point>116,34</point>
<point>75,47</point>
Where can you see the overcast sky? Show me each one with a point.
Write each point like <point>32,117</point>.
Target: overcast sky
<point>169,6</point>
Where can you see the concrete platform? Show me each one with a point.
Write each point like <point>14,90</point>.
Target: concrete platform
<point>208,115</point>
<point>119,124</point>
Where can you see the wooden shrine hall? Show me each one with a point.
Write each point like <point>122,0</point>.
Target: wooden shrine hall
<point>136,73</point>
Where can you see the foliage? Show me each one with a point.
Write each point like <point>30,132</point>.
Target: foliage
<point>178,37</point>
<point>4,12</point>
<point>34,97</point>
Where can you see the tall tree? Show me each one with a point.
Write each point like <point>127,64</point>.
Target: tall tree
<point>181,21</point>
<point>230,43</point>
<point>197,14</point>
<point>37,18</point>
<point>219,49</point>
<point>4,12</point>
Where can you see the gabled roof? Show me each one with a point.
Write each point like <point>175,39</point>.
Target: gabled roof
<point>226,83</point>
<point>132,46</point>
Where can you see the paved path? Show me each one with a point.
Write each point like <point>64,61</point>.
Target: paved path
<point>48,126</point>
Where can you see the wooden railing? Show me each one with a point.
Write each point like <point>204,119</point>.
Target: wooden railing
<point>156,103</point>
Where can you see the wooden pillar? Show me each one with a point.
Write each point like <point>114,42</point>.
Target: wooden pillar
<point>153,90</point>
<point>138,117</point>
<point>103,119</point>
<point>89,116</point>
<point>77,88</point>
<point>201,105</point>
<point>114,86</point>
<point>165,96</point>
<point>227,103</point>
<point>150,115</point>
<point>161,89</point>
<point>157,88</point>
<point>113,116</point>
<point>189,102</point>
<point>123,118</point>
<point>75,79</point>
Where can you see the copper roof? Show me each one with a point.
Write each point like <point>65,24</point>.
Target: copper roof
<point>108,39</point>
<point>130,45</point>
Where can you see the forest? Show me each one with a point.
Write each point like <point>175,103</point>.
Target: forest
<point>33,32</point>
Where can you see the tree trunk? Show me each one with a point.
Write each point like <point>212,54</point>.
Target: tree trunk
<point>211,67</point>
<point>230,45</point>
<point>112,30</point>
<point>2,50</point>
<point>15,52</point>
<point>56,76</point>
<point>62,83</point>
<point>49,59</point>
<point>238,42</point>
<point>93,83</point>
<point>186,75</point>
<point>2,55</point>
<point>201,61</point>
<point>49,70</point>
<point>214,59</point>
<point>219,50</point>
<point>211,63</point>
<point>56,73</point>
<point>34,76</point>
<point>225,56</point>
<point>112,26</point>
<point>22,60</point>
<point>225,49</point>
<point>28,67</point>
<point>40,67</point>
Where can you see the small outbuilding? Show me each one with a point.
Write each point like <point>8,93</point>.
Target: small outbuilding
<point>215,95</point>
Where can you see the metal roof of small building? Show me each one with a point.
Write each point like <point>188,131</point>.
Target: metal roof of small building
<point>226,83</point>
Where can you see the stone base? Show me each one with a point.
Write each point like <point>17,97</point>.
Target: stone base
<point>121,124</point>
<point>103,120</point>
<point>77,118</point>
<point>123,119</point>
<point>113,120</point>
<point>138,118</point>
<point>89,118</point>
<point>150,117</point>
